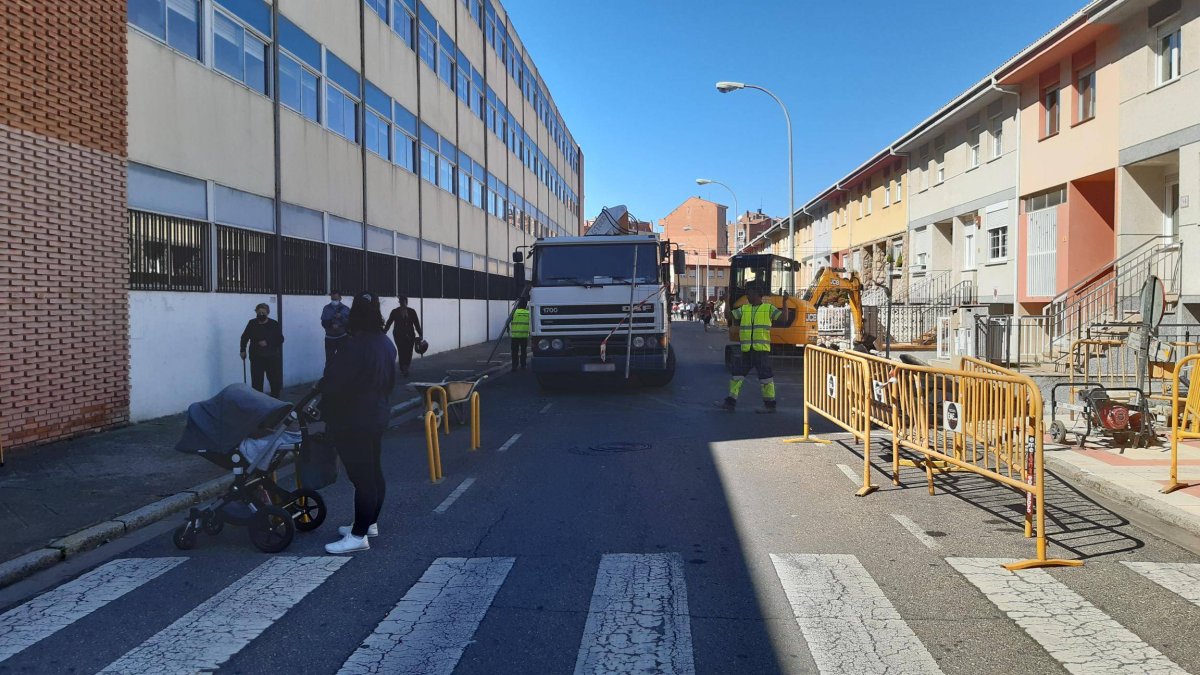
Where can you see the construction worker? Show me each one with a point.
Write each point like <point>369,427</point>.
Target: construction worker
<point>518,330</point>
<point>754,319</point>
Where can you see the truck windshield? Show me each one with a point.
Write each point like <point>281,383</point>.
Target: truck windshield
<point>596,264</point>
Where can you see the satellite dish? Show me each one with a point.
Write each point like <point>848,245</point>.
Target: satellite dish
<point>1154,302</point>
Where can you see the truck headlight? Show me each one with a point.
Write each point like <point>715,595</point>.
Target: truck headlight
<point>639,342</point>
<point>652,342</point>
<point>543,345</point>
<point>556,344</point>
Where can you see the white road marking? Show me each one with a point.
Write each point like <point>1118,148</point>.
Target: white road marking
<point>435,621</point>
<point>915,530</point>
<point>1074,631</point>
<point>223,625</point>
<point>638,620</point>
<point>462,487</point>
<point>850,473</point>
<point>45,615</point>
<point>1182,579</point>
<point>509,443</point>
<point>546,408</point>
<point>848,622</point>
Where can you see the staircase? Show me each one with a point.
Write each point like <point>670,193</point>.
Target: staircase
<point>935,284</point>
<point>1112,294</point>
<point>958,295</point>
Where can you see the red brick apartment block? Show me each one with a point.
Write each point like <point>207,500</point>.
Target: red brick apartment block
<point>64,257</point>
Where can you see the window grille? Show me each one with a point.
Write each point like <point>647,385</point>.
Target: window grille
<point>303,267</point>
<point>167,253</point>
<point>381,274</point>
<point>245,261</point>
<point>346,269</point>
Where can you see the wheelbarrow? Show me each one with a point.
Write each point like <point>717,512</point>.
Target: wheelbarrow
<point>459,386</point>
<point>1125,421</point>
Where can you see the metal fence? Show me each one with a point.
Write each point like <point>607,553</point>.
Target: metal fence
<point>167,253</point>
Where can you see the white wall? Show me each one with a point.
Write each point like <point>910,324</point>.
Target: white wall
<point>474,322</point>
<point>499,315</point>
<point>439,318</point>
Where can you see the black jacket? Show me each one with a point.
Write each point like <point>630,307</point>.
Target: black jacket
<point>407,324</point>
<point>257,332</point>
<point>357,383</point>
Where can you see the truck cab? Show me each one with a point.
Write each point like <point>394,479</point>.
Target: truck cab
<point>599,306</point>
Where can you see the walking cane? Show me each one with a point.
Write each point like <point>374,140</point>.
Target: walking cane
<point>243,370</point>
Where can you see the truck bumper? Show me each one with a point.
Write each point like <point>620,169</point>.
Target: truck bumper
<point>592,365</point>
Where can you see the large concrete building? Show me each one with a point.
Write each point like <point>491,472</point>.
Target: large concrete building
<point>266,152</point>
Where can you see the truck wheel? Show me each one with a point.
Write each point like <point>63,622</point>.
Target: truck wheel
<point>664,377</point>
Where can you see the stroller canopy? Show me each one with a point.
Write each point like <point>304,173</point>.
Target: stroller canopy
<point>223,421</point>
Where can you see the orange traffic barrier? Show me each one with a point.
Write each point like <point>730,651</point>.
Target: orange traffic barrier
<point>476,430</point>
<point>1185,422</point>
<point>433,447</point>
<point>837,387</point>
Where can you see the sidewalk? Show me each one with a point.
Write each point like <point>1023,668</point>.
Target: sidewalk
<point>1134,477</point>
<point>98,487</point>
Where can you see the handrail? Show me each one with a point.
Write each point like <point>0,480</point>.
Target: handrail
<point>1114,263</point>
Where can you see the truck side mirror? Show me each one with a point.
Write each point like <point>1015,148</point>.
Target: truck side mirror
<point>679,260</point>
<point>518,257</point>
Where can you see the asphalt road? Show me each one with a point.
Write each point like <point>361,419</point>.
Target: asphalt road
<point>632,530</point>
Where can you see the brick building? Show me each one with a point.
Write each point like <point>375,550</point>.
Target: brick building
<point>178,162</point>
<point>700,228</point>
<point>64,347</point>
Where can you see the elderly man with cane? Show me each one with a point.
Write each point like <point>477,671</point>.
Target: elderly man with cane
<point>265,338</point>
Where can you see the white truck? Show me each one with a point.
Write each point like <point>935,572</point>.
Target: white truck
<point>599,306</point>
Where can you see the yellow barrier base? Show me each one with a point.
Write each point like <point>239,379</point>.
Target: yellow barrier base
<point>808,439</point>
<point>1175,485</point>
<point>1033,564</point>
<point>938,465</point>
<point>866,490</point>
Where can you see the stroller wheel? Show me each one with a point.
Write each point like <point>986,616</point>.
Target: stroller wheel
<point>213,525</point>
<point>272,529</point>
<point>307,509</point>
<point>185,537</point>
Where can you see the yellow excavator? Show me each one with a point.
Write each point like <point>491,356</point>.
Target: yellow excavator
<point>797,325</point>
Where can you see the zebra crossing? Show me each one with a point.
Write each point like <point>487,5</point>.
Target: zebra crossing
<point>637,620</point>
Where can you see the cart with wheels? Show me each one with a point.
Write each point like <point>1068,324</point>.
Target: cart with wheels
<point>1126,421</point>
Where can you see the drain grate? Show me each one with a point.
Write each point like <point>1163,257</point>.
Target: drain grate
<point>612,448</point>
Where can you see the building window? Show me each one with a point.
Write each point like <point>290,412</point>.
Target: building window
<point>430,144</point>
<point>405,138</point>
<point>997,136</point>
<point>897,189</point>
<point>378,133</point>
<point>1169,53</point>
<point>380,7</point>
<point>969,245</point>
<point>445,65</point>
<point>939,150</point>
<point>403,20</point>
<point>427,39</point>
<point>466,168</point>
<point>245,261</point>
<point>998,243</point>
<point>924,168</point>
<point>1085,95</point>
<point>239,53</point>
<point>345,267</point>
<point>973,138</point>
<point>887,192</point>
<point>1046,199</point>
<point>446,159</point>
<point>1050,110</point>
<point>341,112</point>
<point>298,87</point>
<point>381,274</point>
<point>176,22</point>
<point>167,253</point>
<point>304,267</point>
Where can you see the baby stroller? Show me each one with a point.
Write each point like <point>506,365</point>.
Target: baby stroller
<point>250,433</point>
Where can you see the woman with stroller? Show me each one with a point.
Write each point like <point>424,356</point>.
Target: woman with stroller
<point>354,403</point>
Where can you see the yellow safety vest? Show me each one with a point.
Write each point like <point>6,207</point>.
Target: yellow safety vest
<point>519,328</point>
<point>755,329</point>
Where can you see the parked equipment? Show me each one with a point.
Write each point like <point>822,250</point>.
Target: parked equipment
<point>251,434</point>
<point>1125,421</point>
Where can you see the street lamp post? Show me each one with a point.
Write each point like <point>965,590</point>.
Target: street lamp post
<point>725,88</point>
<point>736,211</point>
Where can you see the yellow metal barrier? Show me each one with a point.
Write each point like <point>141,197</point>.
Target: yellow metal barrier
<point>432,447</point>
<point>1185,423</point>
<point>982,419</point>
<point>443,414</point>
<point>1113,363</point>
<point>837,387</point>
<point>476,429</point>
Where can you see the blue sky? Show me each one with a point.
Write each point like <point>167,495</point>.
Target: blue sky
<point>634,81</point>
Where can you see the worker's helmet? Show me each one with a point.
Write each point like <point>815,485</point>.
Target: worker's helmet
<point>421,347</point>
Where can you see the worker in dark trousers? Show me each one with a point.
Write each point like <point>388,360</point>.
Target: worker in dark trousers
<point>518,330</point>
<point>265,338</point>
<point>334,318</point>
<point>406,330</point>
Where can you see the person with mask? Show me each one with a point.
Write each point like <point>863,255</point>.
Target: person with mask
<point>355,407</point>
<point>406,330</point>
<point>334,318</point>
<point>265,339</point>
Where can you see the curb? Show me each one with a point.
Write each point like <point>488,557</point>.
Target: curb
<point>28,564</point>
<point>1148,506</point>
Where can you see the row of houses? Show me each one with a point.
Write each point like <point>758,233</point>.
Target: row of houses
<point>1049,189</point>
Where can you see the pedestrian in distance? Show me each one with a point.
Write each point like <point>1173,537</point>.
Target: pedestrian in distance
<point>354,404</point>
<point>334,318</point>
<point>690,310</point>
<point>518,331</point>
<point>406,331</point>
<point>754,320</point>
<point>264,337</point>
<point>706,314</point>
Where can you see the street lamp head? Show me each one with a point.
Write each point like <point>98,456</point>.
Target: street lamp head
<point>702,181</point>
<point>726,87</point>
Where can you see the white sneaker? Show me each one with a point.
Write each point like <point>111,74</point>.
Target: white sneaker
<point>372,531</point>
<point>348,544</point>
